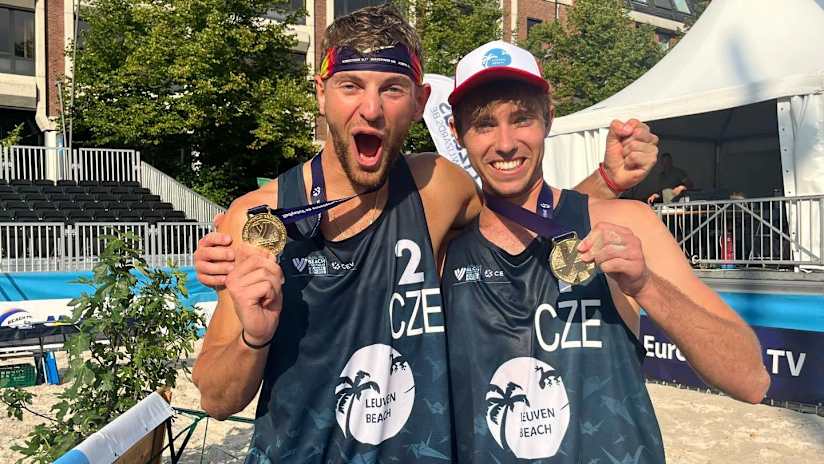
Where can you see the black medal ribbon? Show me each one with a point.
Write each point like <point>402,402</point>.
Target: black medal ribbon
<point>318,206</point>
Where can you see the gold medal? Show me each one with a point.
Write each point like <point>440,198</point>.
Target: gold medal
<point>565,261</point>
<point>265,230</point>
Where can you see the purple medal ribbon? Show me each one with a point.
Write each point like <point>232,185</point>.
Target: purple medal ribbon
<point>541,223</point>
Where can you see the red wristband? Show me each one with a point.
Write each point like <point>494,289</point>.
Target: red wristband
<point>610,183</point>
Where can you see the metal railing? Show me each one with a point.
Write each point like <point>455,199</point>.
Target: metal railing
<point>752,232</point>
<point>23,162</point>
<point>181,197</point>
<point>56,247</point>
<point>103,164</point>
<point>100,164</point>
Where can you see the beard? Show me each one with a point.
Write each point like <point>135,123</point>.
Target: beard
<point>366,180</point>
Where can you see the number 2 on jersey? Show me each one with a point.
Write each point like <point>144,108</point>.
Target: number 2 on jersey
<point>410,274</point>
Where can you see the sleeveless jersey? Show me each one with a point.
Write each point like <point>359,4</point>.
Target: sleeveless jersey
<point>357,370</point>
<point>541,373</point>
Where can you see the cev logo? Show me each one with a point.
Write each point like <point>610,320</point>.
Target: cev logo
<point>496,57</point>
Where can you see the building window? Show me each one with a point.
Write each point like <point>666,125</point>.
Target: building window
<point>16,41</point>
<point>290,6</point>
<point>344,7</point>
<point>664,39</point>
<point>530,23</point>
<point>663,4</point>
<point>83,28</point>
<point>681,5</point>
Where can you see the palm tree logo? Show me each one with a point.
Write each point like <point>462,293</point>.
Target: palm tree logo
<point>502,404</point>
<point>353,389</point>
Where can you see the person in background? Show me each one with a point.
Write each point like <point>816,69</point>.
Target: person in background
<point>672,181</point>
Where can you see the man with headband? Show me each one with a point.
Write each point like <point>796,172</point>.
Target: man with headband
<point>346,331</point>
<point>544,358</point>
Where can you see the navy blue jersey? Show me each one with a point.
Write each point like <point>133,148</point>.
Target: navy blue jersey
<point>540,371</point>
<point>357,369</point>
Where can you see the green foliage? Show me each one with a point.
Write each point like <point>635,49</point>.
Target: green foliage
<point>594,54</point>
<point>16,401</point>
<point>698,7</point>
<point>149,331</point>
<point>450,29</point>
<point>13,137</point>
<point>203,83</point>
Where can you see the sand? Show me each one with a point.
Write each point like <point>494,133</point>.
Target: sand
<point>698,428</point>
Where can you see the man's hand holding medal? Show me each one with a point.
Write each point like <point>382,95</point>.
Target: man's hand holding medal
<point>255,288</point>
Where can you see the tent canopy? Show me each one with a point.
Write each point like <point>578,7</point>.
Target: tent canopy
<point>739,52</point>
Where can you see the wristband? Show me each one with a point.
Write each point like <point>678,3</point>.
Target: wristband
<point>252,345</point>
<point>610,183</point>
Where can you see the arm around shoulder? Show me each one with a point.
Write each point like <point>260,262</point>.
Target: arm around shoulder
<point>449,193</point>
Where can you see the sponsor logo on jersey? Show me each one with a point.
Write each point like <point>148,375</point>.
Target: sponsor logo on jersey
<point>299,263</point>
<point>338,266</point>
<point>318,265</point>
<point>474,273</point>
<point>374,394</point>
<point>528,408</point>
<point>493,273</point>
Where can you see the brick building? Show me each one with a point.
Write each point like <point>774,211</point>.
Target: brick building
<point>666,16</point>
<point>33,37</point>
<point>35,33</point>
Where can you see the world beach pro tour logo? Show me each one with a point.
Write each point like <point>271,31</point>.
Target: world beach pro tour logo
<point>374,394</point>
<point>527,408</point>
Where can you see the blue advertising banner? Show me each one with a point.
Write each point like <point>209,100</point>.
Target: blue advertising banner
<point>792,358</point>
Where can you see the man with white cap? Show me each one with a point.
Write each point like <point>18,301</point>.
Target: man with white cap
<point>544,357</point>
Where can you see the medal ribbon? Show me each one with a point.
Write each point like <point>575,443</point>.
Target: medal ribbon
<point>318,206</point>
<point>541,223</point>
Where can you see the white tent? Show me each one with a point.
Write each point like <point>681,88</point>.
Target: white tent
<point>739,102</point>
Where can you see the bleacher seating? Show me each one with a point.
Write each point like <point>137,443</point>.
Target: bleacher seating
<point>70,202</point>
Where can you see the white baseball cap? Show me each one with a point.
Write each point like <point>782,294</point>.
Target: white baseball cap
<point>492,61</point>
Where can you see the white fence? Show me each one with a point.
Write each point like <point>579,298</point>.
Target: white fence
<point>183,198</point>
<point>19,162</point>
<point>103,164</point>
<point>753,232</point>
<point>55,247</point>
<point>100,164</point>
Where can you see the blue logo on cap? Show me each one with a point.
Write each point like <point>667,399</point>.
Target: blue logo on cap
<point>496,57</point>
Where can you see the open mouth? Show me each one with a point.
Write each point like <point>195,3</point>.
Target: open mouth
<point>508,165</point>
<point>369,149</point>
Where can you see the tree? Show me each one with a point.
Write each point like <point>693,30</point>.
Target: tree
<point>502,404</point>
<point>595,53</point>
<point>148,335</point>
<point>208,90</point>
<point>450,29</point>
<point>354,390</point>
<point>13,137</point>
<point>698,7</point>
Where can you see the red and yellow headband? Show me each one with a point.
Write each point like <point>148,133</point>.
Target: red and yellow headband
<point>395,59</point>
